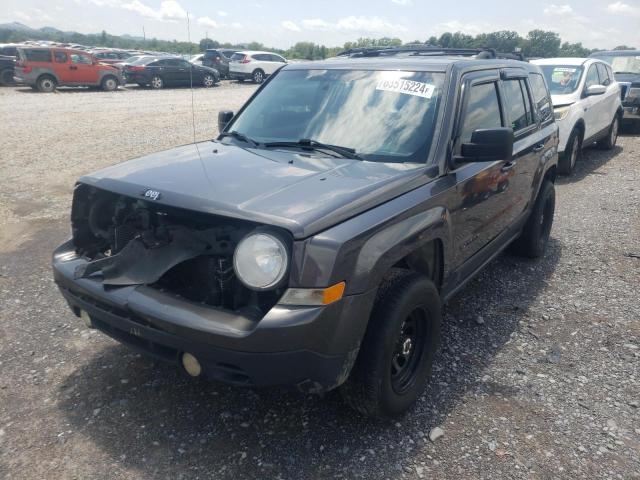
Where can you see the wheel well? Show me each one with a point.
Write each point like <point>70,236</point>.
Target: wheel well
<point>551,174</point>
<point>46,75</point>
<point>580,127</point>
<point>427,259</point>
<point>257,70</point>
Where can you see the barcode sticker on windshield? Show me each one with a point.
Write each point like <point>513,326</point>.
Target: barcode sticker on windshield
<point>409,87</point>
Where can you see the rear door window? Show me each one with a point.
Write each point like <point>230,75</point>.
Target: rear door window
<point>482,110</point>
<point>38,55</point>
<point>541,96</point>
<point>517,103</point>
<point>261,57</point>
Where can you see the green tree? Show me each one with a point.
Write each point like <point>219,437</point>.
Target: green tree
<point>623,47</point>
<point>505,41</point>
<point>432,41</point>
<point>541,43</point>
<point>573,50</point>
<point>207,43</point>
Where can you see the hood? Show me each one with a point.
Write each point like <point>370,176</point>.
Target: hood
<point>303,193</point>
<point>564,100</point>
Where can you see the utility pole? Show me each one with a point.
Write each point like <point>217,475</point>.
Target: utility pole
<point>144,36</point>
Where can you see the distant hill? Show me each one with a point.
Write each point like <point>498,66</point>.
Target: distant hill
<point>19,32</point>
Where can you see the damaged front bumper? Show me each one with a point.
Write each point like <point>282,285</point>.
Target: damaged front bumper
<point>312,348</point>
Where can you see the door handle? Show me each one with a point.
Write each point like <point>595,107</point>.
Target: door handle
<point>538,147</point>
<point>508,166</point>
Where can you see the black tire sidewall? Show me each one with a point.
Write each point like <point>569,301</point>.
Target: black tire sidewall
<point>536,234</point>
<point>104,84</point>
<point>372,371</point>
<point>253,76</point>
<point>565,165</point>
<point>41,80</point>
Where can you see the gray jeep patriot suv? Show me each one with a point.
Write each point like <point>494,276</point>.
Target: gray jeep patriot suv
<point>313,243</point>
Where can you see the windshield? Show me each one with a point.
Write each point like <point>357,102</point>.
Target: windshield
<point>622,63</point>
<point>562,79</point>
<point>385,116</point>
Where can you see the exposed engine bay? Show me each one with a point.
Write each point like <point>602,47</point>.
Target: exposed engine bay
<point>129,241</point>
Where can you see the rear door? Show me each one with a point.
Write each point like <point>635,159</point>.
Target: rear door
<point>83,71</point>
<point>611,97</point>
<point>528,146</point>
<point>174,72</point>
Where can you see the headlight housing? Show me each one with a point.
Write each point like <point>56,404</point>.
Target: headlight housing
<point>561,113</point>
<point>261,261</point>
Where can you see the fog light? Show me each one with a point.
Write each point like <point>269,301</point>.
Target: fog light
<point>86,319</point>
<point>191,364</point>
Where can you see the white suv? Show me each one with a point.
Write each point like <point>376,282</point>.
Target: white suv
<point>256,66</point>
<point>586,104</point>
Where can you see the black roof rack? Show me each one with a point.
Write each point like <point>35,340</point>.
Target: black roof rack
<point>429,51</point>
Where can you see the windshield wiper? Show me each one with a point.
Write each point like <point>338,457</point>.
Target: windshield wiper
<point>306,143</point>
<point>239,136</point>
<point>629,73</point>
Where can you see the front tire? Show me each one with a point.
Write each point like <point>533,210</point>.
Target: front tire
<point>610,140</point>
<point>568,159</point>
<point>208,80</point>
<point>109,84</point>
<point>156,82</point>
<point>535,234</point>
<point>46,84</point>
<point>398,348</point>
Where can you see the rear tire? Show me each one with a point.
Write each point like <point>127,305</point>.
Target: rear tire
<point>6,77</point>
<point>258,76</point>
<point>610,140</point>
<point>156,82</point>
<point>109,84</point>
<point>398,348</point>
<point>535,234</point>
<point>571,154</point>
<point>46,84</point>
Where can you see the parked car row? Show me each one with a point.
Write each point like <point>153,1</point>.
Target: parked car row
<point>587,105</point>
<point>45,69</point>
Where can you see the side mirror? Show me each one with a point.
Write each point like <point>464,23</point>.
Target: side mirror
<point>488,144</point>
<point>224,117</point>
<point>595,90</point>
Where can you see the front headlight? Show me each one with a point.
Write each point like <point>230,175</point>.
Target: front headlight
<point>260,261</point>
<point>561,113</point>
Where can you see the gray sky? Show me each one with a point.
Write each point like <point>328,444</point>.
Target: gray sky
<point>280,23</point>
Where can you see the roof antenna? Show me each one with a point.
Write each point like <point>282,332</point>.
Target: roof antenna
<point>193,113</point>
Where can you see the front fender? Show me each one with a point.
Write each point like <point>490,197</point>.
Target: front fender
<point>362,249</point>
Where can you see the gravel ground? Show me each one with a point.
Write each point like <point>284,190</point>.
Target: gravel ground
<point>538,374</point>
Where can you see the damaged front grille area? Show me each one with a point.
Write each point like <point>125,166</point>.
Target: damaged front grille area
<point>129,241</point>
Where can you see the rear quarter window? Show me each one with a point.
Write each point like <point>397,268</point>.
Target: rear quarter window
<point>37,55</point>
<point>237,56</point>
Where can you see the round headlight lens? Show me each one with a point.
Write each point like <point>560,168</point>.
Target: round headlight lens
<point>260,261</point>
